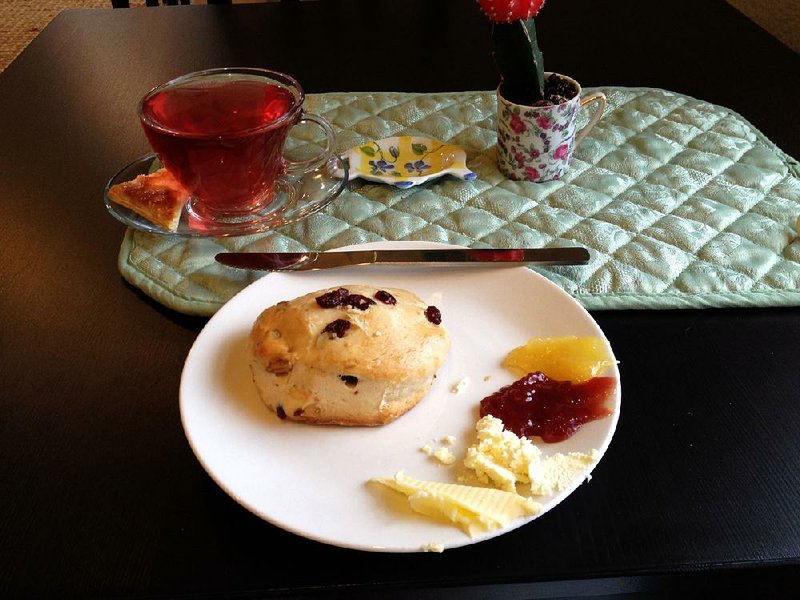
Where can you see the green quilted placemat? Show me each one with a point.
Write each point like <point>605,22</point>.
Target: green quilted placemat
<point>682,204</point>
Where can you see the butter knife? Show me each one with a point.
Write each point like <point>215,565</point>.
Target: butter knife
<point>312,261</point>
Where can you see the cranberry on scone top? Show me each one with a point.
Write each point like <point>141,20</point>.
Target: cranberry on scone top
<point>333,298</point>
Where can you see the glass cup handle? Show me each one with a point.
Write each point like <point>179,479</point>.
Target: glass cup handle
<point>600,98</point>
<point>302,166</point>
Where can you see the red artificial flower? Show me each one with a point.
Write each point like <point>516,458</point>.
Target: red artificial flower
<point>506,11</point>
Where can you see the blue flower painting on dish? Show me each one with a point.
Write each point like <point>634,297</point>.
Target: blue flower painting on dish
<point>405,161</point>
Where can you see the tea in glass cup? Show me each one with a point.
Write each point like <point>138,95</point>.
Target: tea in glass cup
<point>221,134</point>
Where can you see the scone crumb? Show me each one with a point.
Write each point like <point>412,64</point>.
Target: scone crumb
<point>427,450</point>
<point>445,456</point>
<point>433,547</point>
<point>460,386</point>
<point>487,377</point>
<point>449,440</point>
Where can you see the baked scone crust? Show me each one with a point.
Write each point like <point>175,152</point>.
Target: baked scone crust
<point>380,368</point>
<point>157,196</point>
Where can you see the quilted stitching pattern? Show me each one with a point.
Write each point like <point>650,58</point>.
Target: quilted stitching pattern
<point>682,204</point>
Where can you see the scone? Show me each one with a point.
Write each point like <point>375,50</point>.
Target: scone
<point>352,355</point>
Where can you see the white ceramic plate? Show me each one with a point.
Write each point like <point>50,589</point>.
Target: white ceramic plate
<point>312,480</point>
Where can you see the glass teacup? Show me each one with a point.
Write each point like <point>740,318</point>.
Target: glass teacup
<point>221,134</point>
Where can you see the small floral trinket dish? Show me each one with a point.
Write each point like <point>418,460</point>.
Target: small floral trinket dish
<point>407,160</point>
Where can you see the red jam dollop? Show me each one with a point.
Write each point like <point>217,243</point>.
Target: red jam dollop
<point>550,409</point>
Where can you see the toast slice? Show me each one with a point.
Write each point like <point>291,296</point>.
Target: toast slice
<point>158,197</point>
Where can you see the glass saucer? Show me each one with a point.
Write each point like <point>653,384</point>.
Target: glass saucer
<point>296,197</point>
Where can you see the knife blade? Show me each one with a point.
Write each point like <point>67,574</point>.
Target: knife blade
<point>312,261</point>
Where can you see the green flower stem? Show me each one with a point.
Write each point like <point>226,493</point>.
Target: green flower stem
<point>519,60</point>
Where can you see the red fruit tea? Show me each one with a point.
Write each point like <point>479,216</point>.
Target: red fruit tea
<point>222,137</point>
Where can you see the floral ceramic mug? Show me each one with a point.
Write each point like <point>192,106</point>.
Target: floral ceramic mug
<point>535,143</point>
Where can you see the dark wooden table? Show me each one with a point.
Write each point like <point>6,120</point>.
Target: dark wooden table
<point>100,494</point>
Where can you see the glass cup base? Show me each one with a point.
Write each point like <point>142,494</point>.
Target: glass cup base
<point>269,207</point>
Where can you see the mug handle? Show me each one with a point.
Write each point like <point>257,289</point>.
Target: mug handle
<point>600,98</point>
<point>302,166</point>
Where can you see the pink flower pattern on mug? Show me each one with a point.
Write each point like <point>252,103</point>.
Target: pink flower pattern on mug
<point>517,124</point>
<point>562,152</point>
<point>535,143</point>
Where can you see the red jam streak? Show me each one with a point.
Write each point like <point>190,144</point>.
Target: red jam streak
<point>553,410</point>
